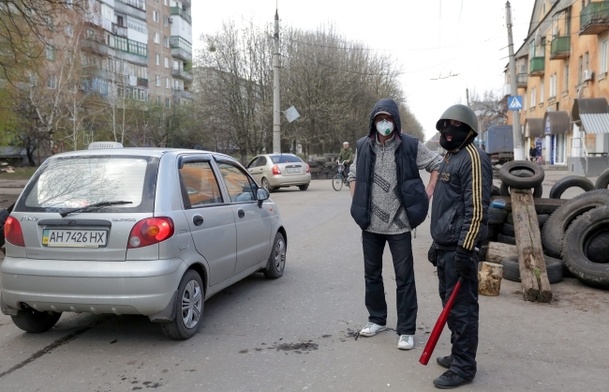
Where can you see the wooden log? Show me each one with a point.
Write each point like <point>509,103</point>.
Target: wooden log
<point>498,250</point>
<point>489,278</point>
<point>533,275</point>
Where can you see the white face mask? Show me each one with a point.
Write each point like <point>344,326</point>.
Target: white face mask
<point>384,127</point>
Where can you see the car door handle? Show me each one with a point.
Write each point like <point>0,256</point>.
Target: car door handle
<point>241,213</point>
<point>197,220</point>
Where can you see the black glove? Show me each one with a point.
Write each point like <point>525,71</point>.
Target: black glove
<point>463,262</point>
<point>432,254</point>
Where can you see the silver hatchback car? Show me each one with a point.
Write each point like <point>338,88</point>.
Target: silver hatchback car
<point>274,171</point>
<point>147,231</point>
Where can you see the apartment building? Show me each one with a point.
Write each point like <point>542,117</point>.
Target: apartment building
<point>142,49</point>
<point>562,76</point>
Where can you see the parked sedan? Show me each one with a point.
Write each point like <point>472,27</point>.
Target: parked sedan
<point>147,231</point>
<point>274,171</point>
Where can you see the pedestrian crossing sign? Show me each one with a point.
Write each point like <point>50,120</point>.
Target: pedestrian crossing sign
<point>515,102</point>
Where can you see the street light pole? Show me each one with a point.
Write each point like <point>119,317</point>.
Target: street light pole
<point>517,134</point>
<point>276,103</point>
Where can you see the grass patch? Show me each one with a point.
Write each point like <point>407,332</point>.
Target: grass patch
<point>21,173</point>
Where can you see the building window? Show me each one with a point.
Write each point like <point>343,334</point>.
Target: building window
<point>533,97</point>
<point>155,16</point>
<point>51,53</point>
<point>167,83</point>
<point>565,80</point>
<point>52,82</point>
<point>157,59</point>
<point>157,38</point>
<point>553,88</point>
<point>158,81</point>
<point>166,42</point>
<point>602,67</point>
<point>167,102</point>
<point>166,62</point>
<point>69,30</point>
<point>542,88</point>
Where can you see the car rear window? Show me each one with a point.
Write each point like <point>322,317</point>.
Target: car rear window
<point>73,182</point>
<point>285,158</point>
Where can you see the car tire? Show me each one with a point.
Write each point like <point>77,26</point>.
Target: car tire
<point>603,180</point>
<point>303,187</point>
<point>511,269</point>
<point>521,174</point>
<point>33,321</point>
<point>189,308</point>
<point>574,252</point>
<point>265,184</point>
<point>537,190</point>
<point>554,229</point>
<point>276,262</point>
<point>567,182</point>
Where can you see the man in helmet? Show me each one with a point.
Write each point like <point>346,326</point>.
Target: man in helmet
<point>459,215</point>
<point>389,201</point>
<point>345,157</point>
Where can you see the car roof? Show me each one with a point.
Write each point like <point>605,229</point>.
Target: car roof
<point>141,151</point>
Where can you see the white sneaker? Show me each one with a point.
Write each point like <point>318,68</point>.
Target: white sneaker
<point>372,329</point>
<point>406,342</point>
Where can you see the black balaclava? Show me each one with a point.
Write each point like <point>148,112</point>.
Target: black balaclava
<point>459,137</point>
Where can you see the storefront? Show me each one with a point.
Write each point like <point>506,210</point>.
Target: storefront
<point>533,134</point>
<point>590,136</point>
<point>556,126</point>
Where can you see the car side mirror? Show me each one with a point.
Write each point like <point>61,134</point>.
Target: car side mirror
<point>261,195</point>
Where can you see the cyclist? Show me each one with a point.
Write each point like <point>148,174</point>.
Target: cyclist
<point>345,157</point>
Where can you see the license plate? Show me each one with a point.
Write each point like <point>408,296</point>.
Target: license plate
<point>292,170</point>
<point>74,238</point>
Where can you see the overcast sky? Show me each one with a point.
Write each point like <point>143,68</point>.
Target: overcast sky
<point>443,47</point>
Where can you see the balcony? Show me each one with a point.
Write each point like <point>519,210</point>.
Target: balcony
<point>181,74</point>
<point>522,80</point>
<point>120,31</point>
<point>561,48</point>
<point>177,11</point>
<point>594,18</point>
<point>180,48</point>
<point>537,66</point>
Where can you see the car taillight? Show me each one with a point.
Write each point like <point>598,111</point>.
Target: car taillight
<point>276,170</point>
<point>150,231</point>
<point>12,232</point>
<point>308,168</point>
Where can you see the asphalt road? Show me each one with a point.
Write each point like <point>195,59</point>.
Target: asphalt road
<point>298,333</point>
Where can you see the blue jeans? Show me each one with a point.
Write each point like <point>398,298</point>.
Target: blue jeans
<point>400,246</point>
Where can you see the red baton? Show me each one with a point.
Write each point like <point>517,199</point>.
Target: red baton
<point>437,329</point>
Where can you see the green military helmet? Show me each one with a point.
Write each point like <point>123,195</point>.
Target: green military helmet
<point>460,113</point>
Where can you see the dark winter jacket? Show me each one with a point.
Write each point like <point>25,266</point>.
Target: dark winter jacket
<point>461,198</point>
<point>410,188</point>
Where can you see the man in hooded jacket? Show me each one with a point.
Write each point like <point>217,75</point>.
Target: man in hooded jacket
<point>389,200</point>
<point>459,216</point>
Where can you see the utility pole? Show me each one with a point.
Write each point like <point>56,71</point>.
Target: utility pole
<point>276,102</point>
<point>517,134</point>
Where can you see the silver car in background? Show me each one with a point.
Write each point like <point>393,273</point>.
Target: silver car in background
<point>147,231</point>
<point>274,171</point>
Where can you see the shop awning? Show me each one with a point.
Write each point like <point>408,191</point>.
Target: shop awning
<point>556,123</point>
<point>533,127</point>
<point>593,114</point>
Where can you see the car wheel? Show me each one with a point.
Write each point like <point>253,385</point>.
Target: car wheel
<point>189,308</point>
<point>303,187</point>
<point>265,184</point>
<point>276,263</point>
<point>33,321</point>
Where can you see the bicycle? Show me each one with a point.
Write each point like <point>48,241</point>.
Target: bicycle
<point>340,178</point>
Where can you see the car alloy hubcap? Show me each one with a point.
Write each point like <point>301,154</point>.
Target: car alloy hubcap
<point>192,302</point>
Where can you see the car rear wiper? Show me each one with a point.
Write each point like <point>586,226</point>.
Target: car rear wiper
<point>94,205</point>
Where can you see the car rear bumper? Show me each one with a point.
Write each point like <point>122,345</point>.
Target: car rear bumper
<point>133,287</point>
<point>289,180</point>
